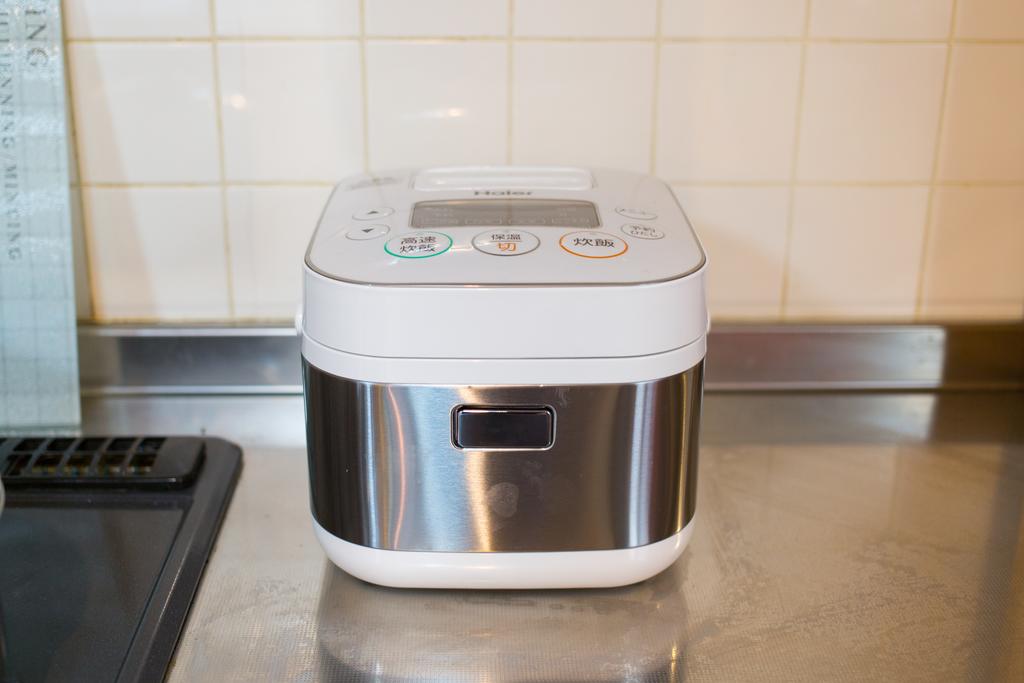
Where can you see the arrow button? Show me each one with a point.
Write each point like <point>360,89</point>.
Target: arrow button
<point>367,233</point>
<point>372,214</point>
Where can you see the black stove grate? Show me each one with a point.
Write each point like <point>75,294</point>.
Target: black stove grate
<point>103,541</point>
<point>123,461</point>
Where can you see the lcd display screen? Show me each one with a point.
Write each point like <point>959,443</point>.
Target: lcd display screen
<point>556,213</point>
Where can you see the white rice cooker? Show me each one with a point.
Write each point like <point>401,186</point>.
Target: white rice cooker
<point>503,377</point>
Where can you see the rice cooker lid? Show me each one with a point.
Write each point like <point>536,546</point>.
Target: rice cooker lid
<point>504,226</point>
<point>504,263</point>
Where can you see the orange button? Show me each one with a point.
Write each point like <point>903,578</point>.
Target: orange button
<point>590,244</point>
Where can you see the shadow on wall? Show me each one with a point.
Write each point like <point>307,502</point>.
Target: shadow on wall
<point>114,258</point>
<point>744,279</point>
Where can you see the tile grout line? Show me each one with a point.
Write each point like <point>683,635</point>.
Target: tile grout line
<point>922,264</point>
<point>72,123</point>
<point>681,183</point>
<point>541,39</point>
<point>510,79</point>
<point>655,88</point>
<point>209,184</point>
<point>791,214</point>
<point>221,163</point>
<point>848,183</point>
<point>364,86</point>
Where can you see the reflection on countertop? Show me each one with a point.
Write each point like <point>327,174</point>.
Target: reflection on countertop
<point>366,632</point>
<point>840,537</point>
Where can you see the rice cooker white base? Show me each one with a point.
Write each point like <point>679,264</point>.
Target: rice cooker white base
<point>574,569</point>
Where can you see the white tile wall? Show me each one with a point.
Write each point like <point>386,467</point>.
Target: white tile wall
<point>983,131</point>
<point>796,133</point>
<point>727,111</point>
<point>156,253</point>
<point>855,252</point>
<point>733,18</point>
<point>292,18</point>
<point>129,19</point>
<point>436,17</point>
<point>268,230</point>
<point>291,111</point>
<point>990,19</point>
<point>743,230</point>
<point>584,18</point>
<point>568,98</point>
<point>973,268</point>
<point>881,19</point>
<point>430,104</point>
<point>870,112</point>
<point>144,112</point>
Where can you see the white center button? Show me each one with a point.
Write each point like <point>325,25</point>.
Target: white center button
<point>590,244</point>
<point>644,232</point>
<point>506,242</point>
<point>367,232</point>
<point>635,213</point>
<point>373,214</point>
<point>418,244</point>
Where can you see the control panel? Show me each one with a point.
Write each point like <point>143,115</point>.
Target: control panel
<point>504,226</point>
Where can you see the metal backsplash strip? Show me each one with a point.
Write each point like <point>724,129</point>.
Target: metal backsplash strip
<point>265,360</point>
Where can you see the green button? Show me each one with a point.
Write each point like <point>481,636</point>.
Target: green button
<point>418,244</point>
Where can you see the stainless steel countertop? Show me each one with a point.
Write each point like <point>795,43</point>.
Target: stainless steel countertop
<point>839,537</point>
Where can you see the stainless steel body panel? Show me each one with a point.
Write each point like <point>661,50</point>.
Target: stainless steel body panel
<point>384,472</point>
